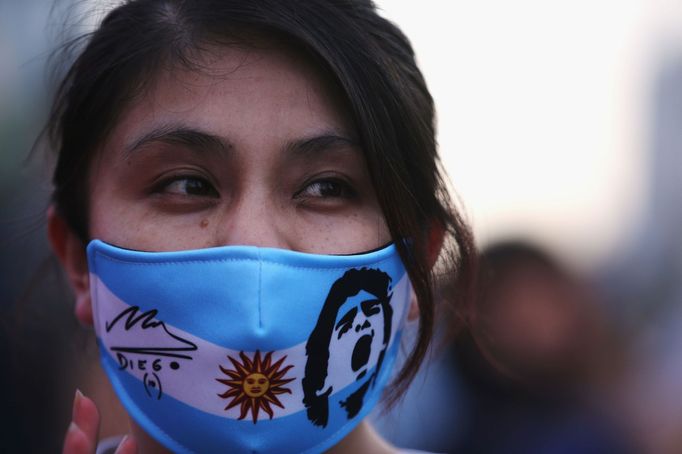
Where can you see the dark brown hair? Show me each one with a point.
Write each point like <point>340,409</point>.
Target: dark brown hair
<point>368,57</point>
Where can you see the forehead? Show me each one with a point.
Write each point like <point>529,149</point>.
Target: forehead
<point>354,302</point>
<point>254,94</point>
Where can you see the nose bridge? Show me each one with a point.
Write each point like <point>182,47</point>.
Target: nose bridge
<point>361,322</point>
<point>252,220</point>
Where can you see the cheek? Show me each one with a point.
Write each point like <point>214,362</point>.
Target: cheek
<point>360,231</point>
<point>341,350</point>
<point>134,226</point>
<point>122,213</point>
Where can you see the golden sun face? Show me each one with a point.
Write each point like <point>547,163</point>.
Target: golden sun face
<point>254,384</point>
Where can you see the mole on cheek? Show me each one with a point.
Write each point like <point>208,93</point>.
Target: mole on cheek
<point>204,223</point>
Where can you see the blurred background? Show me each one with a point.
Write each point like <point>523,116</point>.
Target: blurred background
<point>560,125</point>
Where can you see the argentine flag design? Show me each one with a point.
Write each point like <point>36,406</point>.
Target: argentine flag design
<point>247,349</point>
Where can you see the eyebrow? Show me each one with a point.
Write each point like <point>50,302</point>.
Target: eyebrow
<point>201,140</point>
<point>347,319</point>
<point>193,138</point>
<point>369,307</point>
<point>326,141</point>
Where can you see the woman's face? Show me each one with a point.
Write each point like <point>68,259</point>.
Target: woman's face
<point>254,149</point>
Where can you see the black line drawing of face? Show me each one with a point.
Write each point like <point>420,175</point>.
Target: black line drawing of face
<point>358,338</point>
<point>355,327</point>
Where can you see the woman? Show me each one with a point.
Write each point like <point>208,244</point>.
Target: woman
<point>227,164</point>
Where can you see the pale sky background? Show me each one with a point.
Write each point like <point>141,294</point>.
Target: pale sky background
<point>544,111</point>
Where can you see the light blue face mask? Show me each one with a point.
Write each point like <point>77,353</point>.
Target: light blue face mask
<point>246,349</point>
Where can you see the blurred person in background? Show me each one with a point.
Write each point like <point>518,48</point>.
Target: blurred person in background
<point>534,355</point>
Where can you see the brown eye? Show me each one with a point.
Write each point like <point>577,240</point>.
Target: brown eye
<point>189,186</point>
<point>326,188</point>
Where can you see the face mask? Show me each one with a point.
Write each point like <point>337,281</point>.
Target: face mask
<point>247,349</point>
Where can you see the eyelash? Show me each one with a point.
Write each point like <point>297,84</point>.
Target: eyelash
<point>340,188</point>
<point>208,190</point>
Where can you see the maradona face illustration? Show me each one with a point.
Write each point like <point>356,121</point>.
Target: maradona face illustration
<point>353,331</point>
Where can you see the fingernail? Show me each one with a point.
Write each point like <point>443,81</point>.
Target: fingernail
<point>73,427</point>
<point>126,445</point>
<point>77,399</point>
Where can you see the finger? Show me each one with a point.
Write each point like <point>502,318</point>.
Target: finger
<point>127,446</point>
<point>76,442</point>
<point>86,417</point>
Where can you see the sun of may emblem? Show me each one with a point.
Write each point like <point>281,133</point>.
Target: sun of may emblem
<point>254,384</point>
